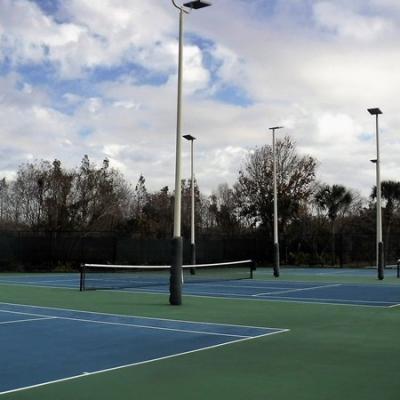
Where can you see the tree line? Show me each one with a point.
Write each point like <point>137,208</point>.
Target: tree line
<point>318,223</point>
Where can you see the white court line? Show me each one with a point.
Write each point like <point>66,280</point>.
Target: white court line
<point>26,320</point>
<point>373,282</point>
<point>153,291</point>
<point>324,299</point>
<point>54,280</point>
<point>139,325</point>
<point>129,316</point>
<point>85,374</point>
<point>296,290</point>
<point>34,285</point>
<point>132,325</point>
<point>321,301</point>
<point>394,305</point>
<point>21,275</point>
<point>209,284</point>
<point>228,295</point>
<point>277,299</point>
<point>40,281</point>
<point>364,273</point>
<point>194,283</point>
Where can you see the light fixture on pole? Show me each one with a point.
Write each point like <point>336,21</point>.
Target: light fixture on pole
<point>196,4</point>
<point>276,240</point>
<point>192,209</point>
<point>379,241</point>
<point>175,282</point>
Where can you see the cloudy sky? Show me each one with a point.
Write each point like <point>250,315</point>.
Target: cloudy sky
<point>98,77</point>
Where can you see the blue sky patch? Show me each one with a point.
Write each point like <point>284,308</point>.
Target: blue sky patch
<point>233,95</point>
<point>49,7</point>
<point>38,74</point>
<point>139,74</point>
<point>86,132</point>
<point>366,136</point>
<point>5,67</point>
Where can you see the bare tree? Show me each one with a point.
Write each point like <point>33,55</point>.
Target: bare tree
<point>295,177</point>
<point>3,200</point>
<point>224,208</point>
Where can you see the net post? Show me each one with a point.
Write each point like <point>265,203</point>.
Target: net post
<point>252,269</point>
<point>175,281</point>
<point>380,261</point>
<point>82,278</point>
<point>192,258</point>
<point>276,260</point>
<point>398,268</point>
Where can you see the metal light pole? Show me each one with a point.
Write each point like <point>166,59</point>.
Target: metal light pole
<point>192,223</point>
<point>175,283</point>
<point>379,241</point>
<point>276,241</point>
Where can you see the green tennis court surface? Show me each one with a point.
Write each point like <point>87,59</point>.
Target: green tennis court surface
<point>330,351</point>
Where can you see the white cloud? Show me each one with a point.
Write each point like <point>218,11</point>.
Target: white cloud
<point>232,67</point>
<point>27,35</point>
<point>126,104</point>
<point>391,6</point>
<point>337,128</point>
<point>350,24</point>
<point>94,104</point>
<point>195,76</point>
<point>113,150</point>
<point>72,98</point>
<point>313,70</point>
<point>101,33</point>
<point>218,166</point>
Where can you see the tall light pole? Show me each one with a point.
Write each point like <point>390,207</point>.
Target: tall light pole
<point>175,282</point>
<point>192,223</point>
<point>276,240</point>
<point>379,241</point>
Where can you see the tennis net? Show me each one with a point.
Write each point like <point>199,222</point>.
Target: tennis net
<point>102,276</point>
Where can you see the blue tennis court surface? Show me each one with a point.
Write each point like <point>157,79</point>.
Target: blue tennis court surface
<point>390,271</point>
<point>68,344</point>
<point>374,294</point>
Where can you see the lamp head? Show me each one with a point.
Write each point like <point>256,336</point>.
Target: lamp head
<point>374,111</point>
<point>196,4</point>
<point>189,137</point>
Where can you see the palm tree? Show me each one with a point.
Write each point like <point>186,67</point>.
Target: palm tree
<point>391,193</point>
<point>335,200</point>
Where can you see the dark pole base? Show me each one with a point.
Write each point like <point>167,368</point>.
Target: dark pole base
<point>276,260</point>
<point>175,280</point>
<point>192,258</point>
<point>380,261</point>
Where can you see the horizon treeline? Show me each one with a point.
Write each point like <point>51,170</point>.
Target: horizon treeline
<point>316,220</point>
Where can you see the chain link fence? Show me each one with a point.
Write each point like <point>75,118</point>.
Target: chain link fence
<point>45,251</point>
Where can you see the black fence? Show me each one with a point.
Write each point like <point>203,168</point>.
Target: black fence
<point>344,250</point>
<point>27,251</point>
<point>31,251</point>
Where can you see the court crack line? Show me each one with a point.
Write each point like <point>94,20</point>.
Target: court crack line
<point>295,290</point>
<point>26,320</point>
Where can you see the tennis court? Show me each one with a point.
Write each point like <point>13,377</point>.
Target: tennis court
<point>310,334</point>
<point>97,343</point>
<point>340,293</point>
